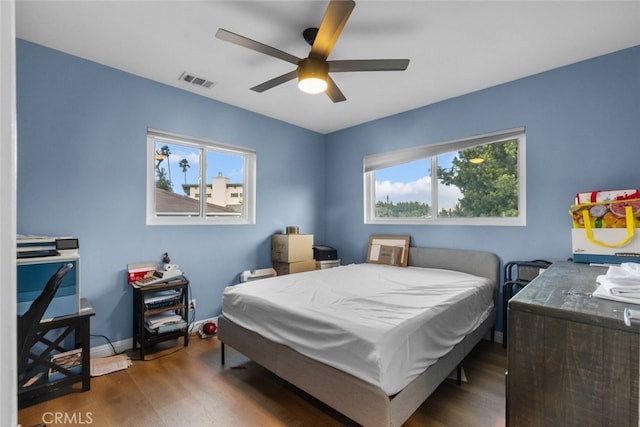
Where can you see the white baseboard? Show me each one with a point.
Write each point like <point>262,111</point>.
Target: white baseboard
<point>106,350</point>
<point>123,345</point>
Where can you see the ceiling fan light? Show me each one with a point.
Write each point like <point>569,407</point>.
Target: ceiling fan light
<point>313,75</point>
<point>312,85</point>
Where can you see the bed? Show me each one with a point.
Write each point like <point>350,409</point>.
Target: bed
<point>371,398</point>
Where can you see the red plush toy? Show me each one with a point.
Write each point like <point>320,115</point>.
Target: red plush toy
<point>207,329</point>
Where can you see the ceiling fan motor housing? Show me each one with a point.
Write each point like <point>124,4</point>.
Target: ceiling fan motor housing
<point>311,67</point>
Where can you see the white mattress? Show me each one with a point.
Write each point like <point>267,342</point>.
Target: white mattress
<point>382,324</point>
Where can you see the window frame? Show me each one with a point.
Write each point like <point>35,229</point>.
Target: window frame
<point>393,158</point>
<point>249,181</point>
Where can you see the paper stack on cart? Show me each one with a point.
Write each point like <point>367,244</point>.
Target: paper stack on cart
<point>620,283</point>
<point>163,319</point>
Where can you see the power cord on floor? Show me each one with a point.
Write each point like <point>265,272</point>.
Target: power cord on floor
<point>108,341</point>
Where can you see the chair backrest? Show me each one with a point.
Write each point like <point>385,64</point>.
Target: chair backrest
<point>29,321</point>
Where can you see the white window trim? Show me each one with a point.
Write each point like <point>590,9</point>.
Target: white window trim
<point>392,158</point>
<point>249,169</point>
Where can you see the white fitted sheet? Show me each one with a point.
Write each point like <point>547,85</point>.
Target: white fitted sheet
<point>382,324</point>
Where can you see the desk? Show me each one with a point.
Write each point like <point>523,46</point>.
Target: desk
<point>141,335</point>
<point>53,338</point>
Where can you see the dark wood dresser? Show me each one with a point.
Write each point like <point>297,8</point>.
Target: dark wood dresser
<point>571,359</point>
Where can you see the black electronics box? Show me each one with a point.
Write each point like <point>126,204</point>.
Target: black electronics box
<point>324,253</point>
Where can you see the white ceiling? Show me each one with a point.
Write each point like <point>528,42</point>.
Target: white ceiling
<point>455,47</point>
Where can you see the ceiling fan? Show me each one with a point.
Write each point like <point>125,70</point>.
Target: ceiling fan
<point>313,72</point>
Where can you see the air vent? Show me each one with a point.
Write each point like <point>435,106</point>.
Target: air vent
<point>195,80</point>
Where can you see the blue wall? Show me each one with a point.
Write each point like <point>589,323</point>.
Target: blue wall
<point>81,172</point>
<point>81,148</point>
<point>582,129</point>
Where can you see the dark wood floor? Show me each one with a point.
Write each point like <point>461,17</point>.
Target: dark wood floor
<point>188,387</point>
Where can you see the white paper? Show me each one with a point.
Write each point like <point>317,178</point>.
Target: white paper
<point>106,365</point>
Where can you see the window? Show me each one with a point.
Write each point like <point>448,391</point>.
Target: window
<point>472,181</point>
<point>180,169</point>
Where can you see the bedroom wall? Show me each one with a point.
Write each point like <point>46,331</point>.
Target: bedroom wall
<point>582,125</point>
<point>81,172</point>
<point>81,147</point>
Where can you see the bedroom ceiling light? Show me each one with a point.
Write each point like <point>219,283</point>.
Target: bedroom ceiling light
<point>313,75</point>
<point>476,160</point>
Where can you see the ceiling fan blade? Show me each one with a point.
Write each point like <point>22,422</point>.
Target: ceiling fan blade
<point>234,38</point>
<point>333,92</point>
<point>368,65</point>
<point>333,22</point>
<point>275,81</point>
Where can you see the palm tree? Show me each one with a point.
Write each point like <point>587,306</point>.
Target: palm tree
<point>166,152</point>
<point>162,181</point>
<point>184,164</point>
<point>162,154</point>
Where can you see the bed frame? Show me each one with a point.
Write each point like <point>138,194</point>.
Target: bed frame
<point>363,402</point>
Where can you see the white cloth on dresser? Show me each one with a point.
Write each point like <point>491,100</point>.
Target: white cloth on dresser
<point>620,283</point>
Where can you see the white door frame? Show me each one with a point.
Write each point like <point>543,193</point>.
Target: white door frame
<point>8,190</point>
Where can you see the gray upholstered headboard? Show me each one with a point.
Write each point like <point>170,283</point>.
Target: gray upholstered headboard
<point>480,263</point>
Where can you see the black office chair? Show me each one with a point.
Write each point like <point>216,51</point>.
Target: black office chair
<point>29,321</point>
<point>517,274</point>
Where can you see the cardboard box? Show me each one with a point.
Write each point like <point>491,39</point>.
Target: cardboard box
<point>283,268</point>
<point>290,248</point>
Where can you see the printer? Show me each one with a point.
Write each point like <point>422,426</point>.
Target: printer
<point>324,253</point>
